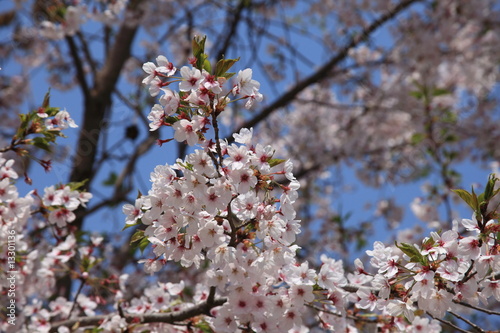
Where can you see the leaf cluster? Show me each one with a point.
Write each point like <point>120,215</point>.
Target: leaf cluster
<point>33,131</point>
<point>479,203</point>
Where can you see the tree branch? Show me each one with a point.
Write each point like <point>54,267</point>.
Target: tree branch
<point>80,73</point>
<point>231,30</point>
<point>325,70</point>
<point>479,329</point>
<point>98,101</point>
<point>168,318</point>
<point>491,312</point>
<point>448,323</point>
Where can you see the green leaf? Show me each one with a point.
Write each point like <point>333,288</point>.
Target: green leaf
<point>186,165</point>
<point>143,244</point>
<point>440,92</point>
<point>490,187</point>
<point>224,65</point>
<point>466,196</point>
<point>200,61</point>
<point>475,202</point>
<point>46,100</point>
<point>204,327</point>
<point>131,225</point>
<point>41,142</point>
<point>416,138</point>
<point>199,52</point>
<point>199,45</point>
<point>450,138</point>
<point>228,75</point>
<point>428,242</point>
<point>275,161</point>
<point>23,126</point>
<point>207,66</point>
<point>413,252</point>
<point>137,236</point>
<point>417,94</point>
<point>360,243</point>
<point>75,186</point>
<point>480,198</point>
<point>51,111</point>
<point>111,179</point>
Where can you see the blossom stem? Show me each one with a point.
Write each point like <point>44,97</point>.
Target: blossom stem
<point>217,142</point>
<point>76,296</point>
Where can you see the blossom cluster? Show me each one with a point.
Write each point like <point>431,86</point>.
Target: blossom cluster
<point>59,202</point>
<point>446,270</point>
<point>199,91</point>
<point>64,20</point>
<point>226,205</point>
<point>35,267</point>
<point>14,210</point>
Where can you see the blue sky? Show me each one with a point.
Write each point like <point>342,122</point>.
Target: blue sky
<point>112,220</point>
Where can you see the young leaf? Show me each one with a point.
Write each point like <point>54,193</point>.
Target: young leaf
<point>224,65</point>
<point>46,100</point>
<point>416,138</point>
<point>228,75</point>
<point>417,94</point>
<point>41,143</point>
<point>466,196</point>
<point>413,252</point>
<point>490,186</point>
<point>275,161</point>
<point>111,179</point>
<point>200,61</point>
<point>137,236</point>
<point>440,92</point>
<point>475,202</point>
<point>199,45</point>
<point>143,244</point>
<point>207,65</point>
<point>74,186</point>
<point>131,225</point>
<point>204,327</point>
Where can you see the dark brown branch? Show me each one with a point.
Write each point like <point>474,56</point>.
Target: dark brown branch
<point>230,33</point>
<point>98,101</point>
<point>86,52</point>
<point>80,72</point>
<point>202,308</point>
<point>324,71</point>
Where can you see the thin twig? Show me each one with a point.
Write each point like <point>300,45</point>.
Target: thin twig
<point>80,72</point>
<point>466,321</point>
<point>325,71</point>
<point>491,312</point>
<point>448,323</point>
<point>76,296</point>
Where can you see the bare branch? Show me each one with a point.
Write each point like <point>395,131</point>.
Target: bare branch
<point>202,308</point>
<point>491,312</point>
<point>230,32</point>
<point>325,70</point>
<point>98,101</point>
<point>80,72</point>
<point>448,323</point>
<point>479,329</point>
